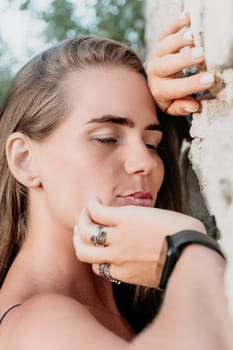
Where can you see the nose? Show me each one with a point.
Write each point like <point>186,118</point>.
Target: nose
<point>139,159</point>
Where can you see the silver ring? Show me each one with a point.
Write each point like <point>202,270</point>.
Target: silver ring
<point>104,271</point>
<point>99,237</point>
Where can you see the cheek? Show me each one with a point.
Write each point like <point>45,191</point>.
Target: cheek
<point>159,174</point>
<point>70,180</point>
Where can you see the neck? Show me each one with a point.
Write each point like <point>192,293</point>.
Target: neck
<point>47,263</point>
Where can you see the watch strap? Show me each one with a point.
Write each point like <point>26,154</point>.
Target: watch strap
<point>187,237</point>
<point>175,245</point>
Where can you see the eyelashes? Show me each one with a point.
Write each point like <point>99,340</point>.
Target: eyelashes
<point>152,147</point>
<point>113,141</point>
<point>107,140</point>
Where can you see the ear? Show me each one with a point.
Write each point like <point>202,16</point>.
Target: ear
<point>19,153</point>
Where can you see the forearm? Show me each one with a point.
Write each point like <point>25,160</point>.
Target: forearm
<point>194,314</point>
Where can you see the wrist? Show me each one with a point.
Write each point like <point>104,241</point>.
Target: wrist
<point>173,248</point>
<point>196,225</point>
<point>197,267</point>
<point>199,275</point>
<point>195,298</point>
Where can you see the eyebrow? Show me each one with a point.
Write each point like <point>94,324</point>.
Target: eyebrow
<point>113,119</point>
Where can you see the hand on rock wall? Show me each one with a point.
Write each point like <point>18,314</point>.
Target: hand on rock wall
<point>173,52</point>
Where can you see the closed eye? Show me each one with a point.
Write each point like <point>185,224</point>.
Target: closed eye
<point>152,140</point>
<point>106,140</point>
<point>152,147</point>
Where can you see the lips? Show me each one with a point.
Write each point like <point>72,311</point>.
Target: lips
<point>140,198</point>
<point>139,194</point>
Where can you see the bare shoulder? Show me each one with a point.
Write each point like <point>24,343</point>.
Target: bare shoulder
<point>53,321</point>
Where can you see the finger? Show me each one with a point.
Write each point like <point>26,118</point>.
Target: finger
<point>183,106</point>
<point>88,231</point>
<point>173,43</point>
<point>90,254</point>
<point>171,64</point>
<point>116,272</point>
<point>104,215</point>
<point>112,269</point>
<point>131,274</point>
<point>178,88</point>
<point>182,21</point>
<point>85,227</point>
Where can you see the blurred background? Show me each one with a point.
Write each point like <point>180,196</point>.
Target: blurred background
<point>29,26</point>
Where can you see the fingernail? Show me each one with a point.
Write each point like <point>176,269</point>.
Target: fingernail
<point>190,110</point>
<point>207,78</point>
<point>145,65</point>
<point>182,16</point>
<point>197,52</point>
<point>75,237</point>
<point>75,229</point>
<point>188,35</point>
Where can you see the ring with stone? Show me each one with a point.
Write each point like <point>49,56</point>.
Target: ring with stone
<point>99,237</point>
<point>104,271</point>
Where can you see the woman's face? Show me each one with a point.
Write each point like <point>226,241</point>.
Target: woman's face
<point>105,147</point>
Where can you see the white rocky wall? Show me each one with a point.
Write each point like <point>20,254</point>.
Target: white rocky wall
<point>211,151</point>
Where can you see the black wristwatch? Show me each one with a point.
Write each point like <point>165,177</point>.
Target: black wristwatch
<point>172,249</point>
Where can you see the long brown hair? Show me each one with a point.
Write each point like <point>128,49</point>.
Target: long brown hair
<point>35,104</point>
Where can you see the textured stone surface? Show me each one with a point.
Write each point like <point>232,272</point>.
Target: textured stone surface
<point>213,28</point>
<point>212,148</point>
<point>211,151</point>
<point>212,159</point>
<point>158,15</point>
